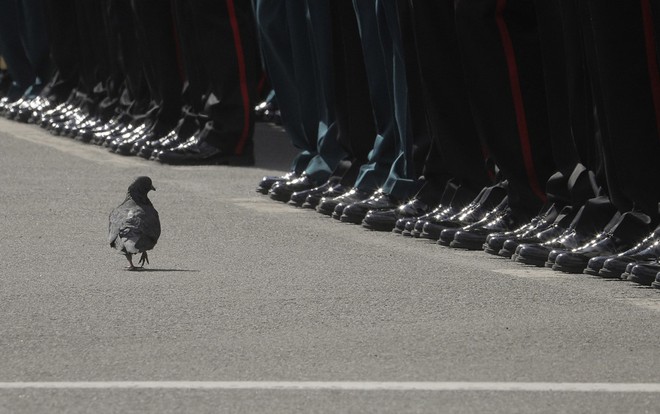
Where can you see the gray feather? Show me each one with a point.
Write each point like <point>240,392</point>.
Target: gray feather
<point>134,225</point>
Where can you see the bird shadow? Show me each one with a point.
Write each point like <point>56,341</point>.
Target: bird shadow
<point>142,269</point>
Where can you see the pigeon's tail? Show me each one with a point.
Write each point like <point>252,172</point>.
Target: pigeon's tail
<point>117,243</point>
<point>129,246</point>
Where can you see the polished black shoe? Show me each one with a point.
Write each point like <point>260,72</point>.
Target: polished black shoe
<point>199,152</point>
<point>510,246</point>
<point>283,190</point>
<point>328,205</point>
<point>453,199</point>
<point>59,113</point>
<point>447,235</point>
<point>644,273</point>
<point>379,201</point>
<point>100,133</point>
<point>623,235</point>
<point>541,234</point>
<point>125,140</point>
<point>76,123</point>
<point>145,139</point>
<point>416,228</point>
<point>625,275</point>
<point>266,111</point>
<point>105,137</point>
<point>313,200</point>
<point>406,225</point>
<point>538,254</point>
<point>154,147</point>
<point>67,123</point>
<point>4,103</point>
<point>186,127</point>
<point>432,227</point>
<point>34,111</point>
<point>474,238</point>
<point>475,211</point>
<point>127,134</point>
<point>589,220</point>
<point>656,283</point>
<point>125,147</point>
<point>298,198</point>
<point>93,125</point>
<point>385,220</point>
<point>268,181</point>
<point>495,241</point>
<point>23,109</point>
<point>9,109</point>
<point>575,261</point>
<point>614,266</point>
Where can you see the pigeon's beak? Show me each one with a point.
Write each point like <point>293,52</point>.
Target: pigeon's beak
<point>153,188</point>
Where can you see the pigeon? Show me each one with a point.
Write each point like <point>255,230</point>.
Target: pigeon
<point>134,224</point>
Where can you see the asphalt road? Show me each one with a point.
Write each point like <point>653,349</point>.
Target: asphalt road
<point>246,299</point>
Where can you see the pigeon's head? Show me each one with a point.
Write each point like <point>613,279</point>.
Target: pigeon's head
<point>141,186</point>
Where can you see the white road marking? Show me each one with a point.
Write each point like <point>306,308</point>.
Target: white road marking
<point>602,387</point>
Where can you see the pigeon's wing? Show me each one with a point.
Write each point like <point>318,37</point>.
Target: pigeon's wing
<point>131,231</point>
<point>126,226</point>
<point>115,222</point>
<point>150,227</point>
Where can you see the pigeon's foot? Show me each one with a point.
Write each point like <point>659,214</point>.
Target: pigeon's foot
<point>132,268</point>
<point>144,258</point>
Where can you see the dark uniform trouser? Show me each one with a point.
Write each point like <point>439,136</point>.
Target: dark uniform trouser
<point>622,47</point>
<point>390,165</point>
<point>297,54</point>
<point>502,61</point>
<point>156,38</point>
<point>24,42</point>
<point>135,98</point>
<point>330,153</point>
<point>353,112</point>
<point>570,107</point>
<point>191,54</point>
<point>195,80</point>
<point>287,58</point>
<point>64,48</point>
<point>93,54</point>
<point>418,113</point>
<point>226,37</point>
<point>457,151</point>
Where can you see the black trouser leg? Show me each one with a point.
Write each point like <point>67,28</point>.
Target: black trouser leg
<point>457,150</point>
<point>64,48</point>
<point>155,33</point>
<point>502,60</point>
<point>624,61</point>
<point>354,114</point>
<point>227,35</point>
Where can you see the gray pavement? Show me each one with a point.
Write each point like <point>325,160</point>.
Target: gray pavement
<point>243,288</point>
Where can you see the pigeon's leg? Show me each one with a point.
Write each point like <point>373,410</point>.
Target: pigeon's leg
<point>130,261</point>
<point>143,258</point>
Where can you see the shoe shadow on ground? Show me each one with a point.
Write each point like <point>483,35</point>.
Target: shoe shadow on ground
<point>272,147</point>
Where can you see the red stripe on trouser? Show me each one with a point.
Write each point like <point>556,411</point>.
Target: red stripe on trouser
<point>651,58</point>
<point>485,152</point>
<point>518,104</point>
<point>240,58</point>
